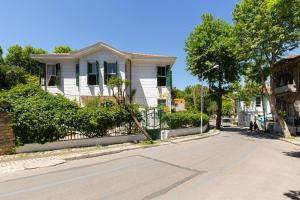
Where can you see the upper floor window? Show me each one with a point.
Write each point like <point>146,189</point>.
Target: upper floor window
<point>258,101</point>
<point>161,76</point>
<point>93,73</point>
<point>110,70</point>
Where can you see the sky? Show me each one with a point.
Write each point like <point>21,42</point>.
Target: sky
<point>147,26</point>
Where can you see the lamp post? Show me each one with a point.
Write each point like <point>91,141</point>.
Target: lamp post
<point>201,123</point>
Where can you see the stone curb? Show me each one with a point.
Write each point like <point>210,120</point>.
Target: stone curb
<point>47,161</point>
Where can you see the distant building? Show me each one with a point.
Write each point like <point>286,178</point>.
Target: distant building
<point>286,83</point>
<point>253,111</point>
<point>179,104</point>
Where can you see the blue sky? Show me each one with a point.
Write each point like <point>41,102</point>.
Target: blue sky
<point>156,26</point>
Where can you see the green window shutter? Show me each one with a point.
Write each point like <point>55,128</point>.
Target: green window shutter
<point>117,69</point>
<point>77,75</point>
<point>58,74</point>
<point>89,70</point>
<point>168,76</point>
<point>105,72</point>
<point>97,71</point>
<point>42,74</point>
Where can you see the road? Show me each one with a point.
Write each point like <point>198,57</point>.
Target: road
<point>233,165</point>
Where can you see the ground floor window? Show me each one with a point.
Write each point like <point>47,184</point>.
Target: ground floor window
<point>51,75</point>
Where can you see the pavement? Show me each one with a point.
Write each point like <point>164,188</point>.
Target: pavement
<point>25,161</point>
<point>233,165</point>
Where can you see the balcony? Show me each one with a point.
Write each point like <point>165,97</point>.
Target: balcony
<point>286,88</point>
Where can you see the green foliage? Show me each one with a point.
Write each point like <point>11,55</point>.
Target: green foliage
<point>40,117</point>
<point>1,58</point>
<point>211,43</point>
<point>228,106</point>
<point>18,56</point>
<point>266,29</point>
<point>11,76</point>
<point>62,49</point>
<point>184,119</point>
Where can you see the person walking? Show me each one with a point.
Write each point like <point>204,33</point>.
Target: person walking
<point>251,126</point>
<point>255,126</point>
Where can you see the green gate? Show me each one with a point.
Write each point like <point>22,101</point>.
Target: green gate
<point>152,122</point>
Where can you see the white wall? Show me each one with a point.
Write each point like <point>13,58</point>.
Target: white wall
<point>68,80</point>
<point>101,89</point>
<point>144,80</point>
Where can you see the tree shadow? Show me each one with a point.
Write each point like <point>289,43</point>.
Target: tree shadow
<point>251,134</point>
<point>292,194</point>
<point>295,154</point>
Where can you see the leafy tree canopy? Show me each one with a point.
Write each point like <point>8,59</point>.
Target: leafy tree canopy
<point>18,56</point>
<point>62,49</point>
<point>1,58</point>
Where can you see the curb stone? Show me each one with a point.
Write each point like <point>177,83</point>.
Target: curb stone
<point>47,161</point>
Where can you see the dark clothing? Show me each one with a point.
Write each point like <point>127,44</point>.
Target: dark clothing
<point>255,126</point>
<point>251,126</point>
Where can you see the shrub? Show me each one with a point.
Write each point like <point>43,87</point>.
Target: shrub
<point>184,119</point>
<point>11,76</point>
<point>40,117</point>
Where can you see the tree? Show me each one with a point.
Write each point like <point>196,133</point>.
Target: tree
<point>18,56</point>
<point>118,88</point>
<point>62,49</point>
<point>266,30</point>
<point>1,58</point>
<point>209,44</point>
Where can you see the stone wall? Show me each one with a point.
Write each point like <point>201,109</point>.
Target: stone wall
<point>7,139</point>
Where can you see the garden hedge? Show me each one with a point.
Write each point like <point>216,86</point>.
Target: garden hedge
<point>184,119</point>
<point>40,117</point>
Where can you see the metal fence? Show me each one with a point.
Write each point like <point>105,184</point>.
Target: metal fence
<point>123,129</point>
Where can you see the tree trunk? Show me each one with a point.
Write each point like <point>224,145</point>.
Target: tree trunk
<point>219,104</point>
<point>264,110</point>
<point>137,123</point>
<point>272,101</point>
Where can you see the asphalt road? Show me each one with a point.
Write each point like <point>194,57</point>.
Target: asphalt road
<point>230,166</point>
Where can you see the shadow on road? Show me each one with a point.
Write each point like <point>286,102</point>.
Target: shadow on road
<point>292,194</point>
<point>295,154</point>
<point>248,133</point>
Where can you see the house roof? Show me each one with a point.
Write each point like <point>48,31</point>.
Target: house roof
<point>101,45</point>
<point>288,59</point>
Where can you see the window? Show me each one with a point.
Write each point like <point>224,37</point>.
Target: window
<point>77,74</point>
<point>93,73</point>
<point>42,74</point>
<point>161,76</point>
<point>161,102</point>
<point>110,70</point>
<point>51,75</point>
<point>258,102</point>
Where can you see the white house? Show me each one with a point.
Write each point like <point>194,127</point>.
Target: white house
<point>84,73</point>
<point>254,111</point>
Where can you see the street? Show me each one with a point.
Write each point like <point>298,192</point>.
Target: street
<point>234,165</point>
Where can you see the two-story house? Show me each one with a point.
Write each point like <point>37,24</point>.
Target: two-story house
<point>85,73</point>
<point>286,84</point>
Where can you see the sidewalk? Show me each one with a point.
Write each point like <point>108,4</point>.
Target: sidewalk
<point>13,163</point>
<point>293,140</point>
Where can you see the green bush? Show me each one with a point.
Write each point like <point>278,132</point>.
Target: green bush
<point>39,117</point>
<point>11,76</point>
<point>184,119</point>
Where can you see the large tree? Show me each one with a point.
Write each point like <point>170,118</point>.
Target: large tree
<point>210,44</point>
<point>266,30</point>
<point>1,58</point>
<point>62,49</point>
<point>18,56</point>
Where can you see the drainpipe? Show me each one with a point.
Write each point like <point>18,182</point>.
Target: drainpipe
<point>130,97</point>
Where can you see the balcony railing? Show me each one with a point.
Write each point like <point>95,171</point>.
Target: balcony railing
<point>286,88</point>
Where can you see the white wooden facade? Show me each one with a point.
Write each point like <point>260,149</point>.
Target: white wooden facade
<point>139,69</point>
